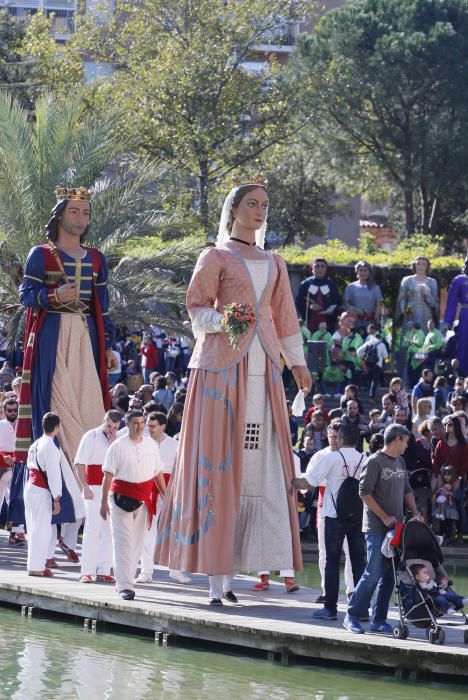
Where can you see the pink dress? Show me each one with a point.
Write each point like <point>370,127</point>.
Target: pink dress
<point>230,505</point>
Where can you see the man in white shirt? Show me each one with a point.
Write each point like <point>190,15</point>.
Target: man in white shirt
<point>332,434</point>
<point>156,425</point>
<point>44,489</point>
<point>96,551</point>
<point>133,475</point>
<point>334,469</point>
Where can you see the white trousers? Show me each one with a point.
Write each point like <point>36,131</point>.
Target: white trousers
<point>96,550</point>
<point>219,585</point>
<point>149,544</point>
<point>128,532</point>
<point>348,571</point>
<point>38,511</point>
<point>5,481</point>
<point>69,533</point>
<point>52,543</point>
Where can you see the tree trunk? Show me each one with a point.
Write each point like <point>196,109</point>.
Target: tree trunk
<point>204,208</point>
<point>409,212</point>
<point>426,210</point>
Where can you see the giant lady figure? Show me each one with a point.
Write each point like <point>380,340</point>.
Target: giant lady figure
<point>230,506</point>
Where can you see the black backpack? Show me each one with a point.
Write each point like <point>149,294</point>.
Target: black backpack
<point>348,504</point>
<point>371,355</point>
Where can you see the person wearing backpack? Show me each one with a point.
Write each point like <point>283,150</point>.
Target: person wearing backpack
<point>384,487</point>
<point>374,353</point>
<point>342,510</point>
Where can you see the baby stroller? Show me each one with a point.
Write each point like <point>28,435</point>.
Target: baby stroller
<point>418,544</point>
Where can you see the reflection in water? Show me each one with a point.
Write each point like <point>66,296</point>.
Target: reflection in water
<point>45,659</point>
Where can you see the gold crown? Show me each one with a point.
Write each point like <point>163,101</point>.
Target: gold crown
<point>79,194</point>
<point>258,179</point>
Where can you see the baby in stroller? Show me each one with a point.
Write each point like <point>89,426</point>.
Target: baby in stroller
<point>443,599</point>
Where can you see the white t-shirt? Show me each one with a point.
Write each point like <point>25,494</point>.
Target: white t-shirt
<point>7,436</point>
<point>93,447</point>
<point>45,451</point>
<point>132,461</point>
<point>329,471</point>
<point>168,453</point>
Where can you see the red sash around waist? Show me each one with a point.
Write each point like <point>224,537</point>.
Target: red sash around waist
<point>38,479</point>
<point>94,474</point>
<point>4,454</point>
<point>144,491</point>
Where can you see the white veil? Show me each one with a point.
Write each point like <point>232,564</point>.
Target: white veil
<point>224,234</point>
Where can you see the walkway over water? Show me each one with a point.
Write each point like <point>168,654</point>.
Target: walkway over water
<point>276,622</point>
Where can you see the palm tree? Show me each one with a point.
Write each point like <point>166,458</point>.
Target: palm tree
<point>66,145</point>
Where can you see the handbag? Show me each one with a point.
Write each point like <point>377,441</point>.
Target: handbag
<point>127,503</point>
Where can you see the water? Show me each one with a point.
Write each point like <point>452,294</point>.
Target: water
<point>44,658</point>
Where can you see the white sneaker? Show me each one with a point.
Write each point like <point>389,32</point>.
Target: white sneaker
<point>143,579</point>
<point>179,576</point>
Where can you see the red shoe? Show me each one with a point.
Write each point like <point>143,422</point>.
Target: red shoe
<point>45,572</point>
<point>291,586</point>
<point>263,584</point>
<point>48,572</point>
<point>105,578</point>
<point>51,564</point>
<point>21,536</point>
<point>86,579</point>
<point>69,553</point>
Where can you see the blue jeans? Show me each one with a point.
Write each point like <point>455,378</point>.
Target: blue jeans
<point>378,577</point>
<point>335,532</point>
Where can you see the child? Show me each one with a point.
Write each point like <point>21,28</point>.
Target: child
<point>317,405</point>
<point>375,426</point>
<point>396,388</point>
<point>443,599</point>
<point>444,505</point>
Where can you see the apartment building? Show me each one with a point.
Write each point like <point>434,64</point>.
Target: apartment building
<point>63,12</point>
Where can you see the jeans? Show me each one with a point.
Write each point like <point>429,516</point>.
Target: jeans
<point>377,576</point>
<point>447,601</point>
<point>375,375</point>
<point>335,532</point>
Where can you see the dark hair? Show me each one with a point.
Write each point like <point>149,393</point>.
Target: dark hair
<point>392,397</point>
<point>242,190</point>
<point>52,225</point>
<point>49,422</point>
<point>335,414</point>
<point>353,387</point>
<point>349,433</point>
<point>420,257</point>
<point>122,402</point>
<point>161,382</point>
<point>376,443</point>
<point>416,568</point>
<point>159,416</point>
<point>370,280</point>
<point>9,400</point>
<point>426,371</point>
<point>457,429</point>
<point>134,413</point>
<point>151,407</point>
<point>113,415</point>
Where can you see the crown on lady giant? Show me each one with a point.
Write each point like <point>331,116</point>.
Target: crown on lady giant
<point>79,194</point>
<point>257,179</point>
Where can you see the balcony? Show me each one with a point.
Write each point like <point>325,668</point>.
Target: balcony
<point>278,40</point>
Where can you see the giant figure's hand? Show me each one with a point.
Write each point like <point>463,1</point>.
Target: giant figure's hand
<point>302,378</point>
<point>111,361</point>
<point>66,292</point>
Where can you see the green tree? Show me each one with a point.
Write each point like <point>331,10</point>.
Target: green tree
<point>388,92</point>
<point>16,72</point>
<point>65,145</point>
<point>299,203</point>
<point>180,76</point>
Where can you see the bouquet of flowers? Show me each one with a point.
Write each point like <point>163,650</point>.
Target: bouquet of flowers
<point>237,319</point>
